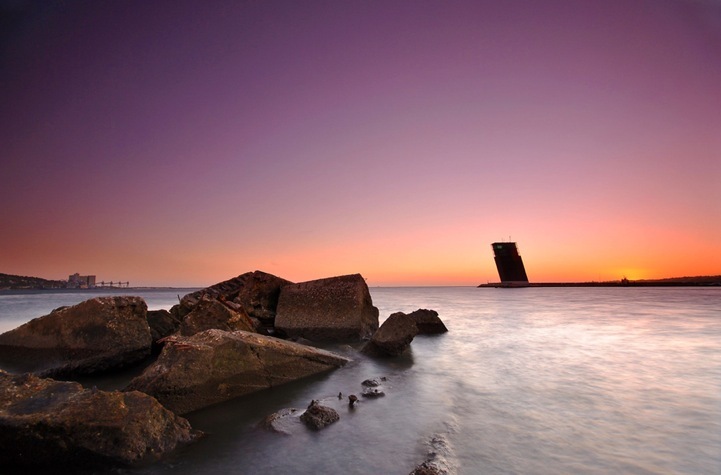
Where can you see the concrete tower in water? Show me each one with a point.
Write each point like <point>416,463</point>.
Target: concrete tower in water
<point>509,264</point>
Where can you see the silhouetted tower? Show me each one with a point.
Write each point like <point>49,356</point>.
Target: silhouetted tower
<point>509,263</point>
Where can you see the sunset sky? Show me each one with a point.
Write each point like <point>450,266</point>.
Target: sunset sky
<point>186,142</point>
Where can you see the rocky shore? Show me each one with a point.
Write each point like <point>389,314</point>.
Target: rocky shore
<point>251,333</point>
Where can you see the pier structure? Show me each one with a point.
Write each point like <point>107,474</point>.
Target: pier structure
<point>120,285</point>
<point>510,265</point>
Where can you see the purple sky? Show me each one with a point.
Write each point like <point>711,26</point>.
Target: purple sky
<point>185,142</point>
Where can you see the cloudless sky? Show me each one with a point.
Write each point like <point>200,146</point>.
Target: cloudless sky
<point>186,142</point>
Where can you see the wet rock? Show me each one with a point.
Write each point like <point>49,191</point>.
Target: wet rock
<point>214,366</point>
<point>393,337</point>
<point>282,422</point>
<point>428,468</point>
<point>210,313</point>
<point>352,400</point>
<point>428,322</point>
<point>48,423</point>
<point>255,292</point>
<point>441,458</point>
<point>373,393</point>
<point>162,323</point>
<point>96,335</point>
<point>317,417</point>
<point>371,383</point>
<point>332,309</point>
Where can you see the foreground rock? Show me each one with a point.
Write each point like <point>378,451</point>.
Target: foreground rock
<point>332,309</point>
<point>393,337</point>
<point>255,292</point>
<point>214,366</point>
<point>209,314</point>
<point>428,322</point>
<point>51,423</point>
<point>96,335</point>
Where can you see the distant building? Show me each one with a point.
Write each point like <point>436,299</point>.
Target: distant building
<point>509,264</point>
<point>77,281</point>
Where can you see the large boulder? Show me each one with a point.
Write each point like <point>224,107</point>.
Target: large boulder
<point>336,308</point>
<point>95,335</point>
<point>256,292</point>
<point>210,313</point>
<point>48,423</point>
<point>428,322</point>
<point>393,337</point>
<point>214,366</point>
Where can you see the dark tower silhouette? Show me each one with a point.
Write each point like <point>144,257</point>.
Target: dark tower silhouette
<point>509,264</point>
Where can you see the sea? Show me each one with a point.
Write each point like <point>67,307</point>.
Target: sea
<point>568,380</point>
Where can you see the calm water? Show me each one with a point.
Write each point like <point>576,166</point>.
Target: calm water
<point>527,381</point>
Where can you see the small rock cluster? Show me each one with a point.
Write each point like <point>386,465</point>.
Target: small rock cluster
<point>319,413</point>
<point>372,388</point>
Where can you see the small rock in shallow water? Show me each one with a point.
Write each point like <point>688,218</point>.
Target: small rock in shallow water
<point>428,468</point>
<point>352,399</point>
<point>317,417</point>
<point>373,392</point>
<point>371,383</point>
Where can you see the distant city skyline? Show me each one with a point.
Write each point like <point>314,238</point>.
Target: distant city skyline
<point>184,143</point>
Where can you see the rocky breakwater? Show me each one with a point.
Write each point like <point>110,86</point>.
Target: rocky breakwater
<point>215,366</point>
<point>331,309</point>
<point>208,354</point>
<point>96,335</point>
<point>51,423</point>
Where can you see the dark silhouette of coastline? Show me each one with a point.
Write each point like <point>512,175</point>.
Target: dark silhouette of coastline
<point>697,281</point>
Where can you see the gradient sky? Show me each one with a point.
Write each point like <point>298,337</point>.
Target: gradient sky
<point>187,142</point>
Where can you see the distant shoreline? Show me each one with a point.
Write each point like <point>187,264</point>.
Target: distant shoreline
<point>711,281</point>
<point>94,289</point>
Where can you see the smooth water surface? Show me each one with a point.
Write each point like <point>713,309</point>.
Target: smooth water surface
<point>526,381</point>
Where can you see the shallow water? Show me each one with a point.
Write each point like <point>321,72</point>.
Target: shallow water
<point>535,380</point>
